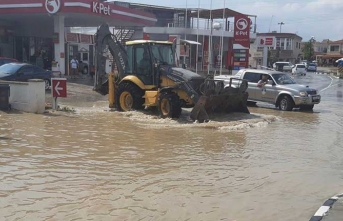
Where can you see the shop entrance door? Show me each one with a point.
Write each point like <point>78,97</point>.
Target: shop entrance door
<point>84,61</point>
<point>72,52</point>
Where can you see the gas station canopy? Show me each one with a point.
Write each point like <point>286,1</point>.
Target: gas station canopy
<point>80,13</point>
<point>215,13</point>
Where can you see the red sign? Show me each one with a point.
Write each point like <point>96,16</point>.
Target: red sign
<point>269,42</point>
<point>71,37</point>
<point>86,39</point>
<point>266,41</point>
<point>242,30</point>
<point>59,87</point>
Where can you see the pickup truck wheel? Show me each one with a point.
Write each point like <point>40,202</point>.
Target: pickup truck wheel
<point>307,107</point>
<point>286,103</point>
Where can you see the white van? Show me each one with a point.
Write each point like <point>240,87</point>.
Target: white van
<point>283,65</point>
<point>299,69</point>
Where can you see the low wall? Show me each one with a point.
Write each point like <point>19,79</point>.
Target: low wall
<point>27,96</point>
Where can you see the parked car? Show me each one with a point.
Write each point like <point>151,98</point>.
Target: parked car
<point>281,90</point>
<point>312,67</point>
<point>4,60</point>
<point>299,69</point>
<point>24,72</point>
<point>283,66</point>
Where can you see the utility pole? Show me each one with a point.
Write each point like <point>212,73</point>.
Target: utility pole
<point>280,23</point>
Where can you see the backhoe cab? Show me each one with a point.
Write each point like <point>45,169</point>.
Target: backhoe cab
<point>148,77</point>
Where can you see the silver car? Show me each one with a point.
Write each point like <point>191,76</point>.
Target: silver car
<point>281,90</point>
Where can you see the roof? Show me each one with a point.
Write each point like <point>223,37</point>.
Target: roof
<point>275,34</point>
<point>146,41</point>
<point>155,7</point>
<point>336,42</point>
<point>214,13</point>
<point>331,56</point>
<point>80,13</point>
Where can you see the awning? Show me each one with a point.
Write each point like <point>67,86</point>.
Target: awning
<point>189,42</point>
<point>328,56</point>
<point>215,13</point>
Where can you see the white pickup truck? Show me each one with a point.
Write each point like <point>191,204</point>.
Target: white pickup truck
<point>281,90</point>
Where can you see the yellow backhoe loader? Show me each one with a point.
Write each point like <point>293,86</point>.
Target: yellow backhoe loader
<point>147,76</point>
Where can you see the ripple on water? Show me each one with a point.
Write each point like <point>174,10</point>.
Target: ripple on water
<point>132,166</point>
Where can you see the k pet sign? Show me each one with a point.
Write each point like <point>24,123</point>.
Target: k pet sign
<point>100,8</point>
<point>242,30</point>
<point>54,6</point>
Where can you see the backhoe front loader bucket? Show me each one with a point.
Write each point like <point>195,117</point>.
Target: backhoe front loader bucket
<point>219,99</point>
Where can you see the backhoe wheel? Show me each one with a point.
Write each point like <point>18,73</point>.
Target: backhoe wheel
<point>129,97</point>
<point>169,105</point>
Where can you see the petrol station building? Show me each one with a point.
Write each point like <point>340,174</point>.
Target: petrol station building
<point>32,27</point>
<point>29,28</point>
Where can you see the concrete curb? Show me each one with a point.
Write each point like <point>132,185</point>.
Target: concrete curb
<point>327,73</point>
<point>322,211</point>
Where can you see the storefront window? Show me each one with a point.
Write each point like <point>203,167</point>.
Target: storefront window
<point>27,49</point>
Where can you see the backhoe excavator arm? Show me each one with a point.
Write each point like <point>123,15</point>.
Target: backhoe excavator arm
<point>105,38</point>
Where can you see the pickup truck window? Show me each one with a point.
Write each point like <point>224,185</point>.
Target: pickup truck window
<point>239,74</point>
<point>283,79</point>
<point>300,66</point>
<point>252,77</point>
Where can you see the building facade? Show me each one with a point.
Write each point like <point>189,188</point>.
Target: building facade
<point>216,37</point>
<point>334,52</point>
<point>286,48</point>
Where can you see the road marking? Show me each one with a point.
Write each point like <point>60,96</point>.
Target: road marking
<point>329,84</point>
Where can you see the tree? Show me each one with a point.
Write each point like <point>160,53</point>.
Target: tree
<point>308,51</point>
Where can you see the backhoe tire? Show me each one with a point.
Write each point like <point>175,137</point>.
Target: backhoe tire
<point>129,97</point>
<point>169,105</point>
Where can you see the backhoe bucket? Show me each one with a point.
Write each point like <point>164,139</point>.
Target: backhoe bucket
<point>226,101</point>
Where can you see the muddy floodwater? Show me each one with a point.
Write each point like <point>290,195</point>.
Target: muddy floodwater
<point>96,164</point>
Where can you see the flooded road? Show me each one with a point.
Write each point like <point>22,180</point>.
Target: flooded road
<point>101,165</point>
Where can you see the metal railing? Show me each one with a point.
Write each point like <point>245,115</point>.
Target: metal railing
<point>203,24</point>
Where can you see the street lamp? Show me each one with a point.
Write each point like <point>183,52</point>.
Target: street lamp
<point>280,23</point>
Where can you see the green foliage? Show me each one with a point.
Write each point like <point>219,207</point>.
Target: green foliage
<point>308,51</point>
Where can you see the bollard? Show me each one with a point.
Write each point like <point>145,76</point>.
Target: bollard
<point>4,96</point>
<point>111,89</point>
<point>340,71</point>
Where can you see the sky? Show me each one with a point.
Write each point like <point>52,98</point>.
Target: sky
<point>318,18</point>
